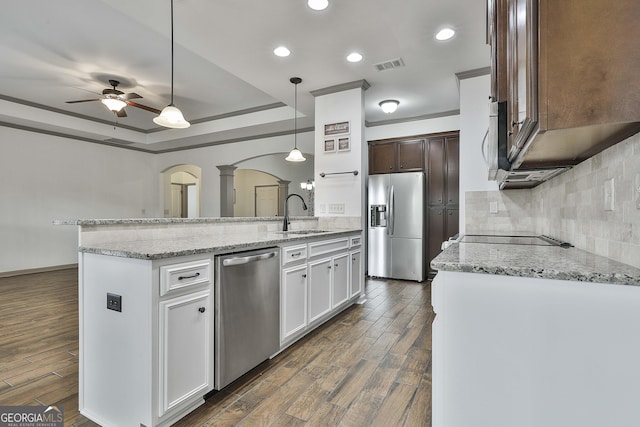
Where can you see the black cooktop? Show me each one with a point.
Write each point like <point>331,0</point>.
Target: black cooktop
<point>540,240</point>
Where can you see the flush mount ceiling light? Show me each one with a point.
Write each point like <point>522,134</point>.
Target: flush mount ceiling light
<point>281,51</point>
<point>295,155</point>
<point>445,34</point>
<point>389,105</point>
<point>113,103</point>
<point>318,4</point>
<point>171,116</point>
<point>354,57</point>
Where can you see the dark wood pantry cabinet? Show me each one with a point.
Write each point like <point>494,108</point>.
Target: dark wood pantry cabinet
<point>438,156</point>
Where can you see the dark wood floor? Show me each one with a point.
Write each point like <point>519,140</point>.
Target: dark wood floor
<point>371,365</point>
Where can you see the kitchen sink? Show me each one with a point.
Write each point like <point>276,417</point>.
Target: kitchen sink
<point>303,232</point>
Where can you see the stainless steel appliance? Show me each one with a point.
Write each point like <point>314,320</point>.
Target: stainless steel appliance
<point>247,312</point>
<point>396,226</point>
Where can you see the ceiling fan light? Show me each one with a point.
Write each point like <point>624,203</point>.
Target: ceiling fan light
<point>389,105</point>
<point>114,104</point>
<point>171,117</point>
<point>295,156</point>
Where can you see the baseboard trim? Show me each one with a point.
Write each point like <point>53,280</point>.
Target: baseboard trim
<point>37,270</point>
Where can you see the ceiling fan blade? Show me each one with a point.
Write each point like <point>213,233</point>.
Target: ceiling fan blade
<point>131,95</point>
<point>83,100</point>
<point>121,113</point>
<point>144,107</point>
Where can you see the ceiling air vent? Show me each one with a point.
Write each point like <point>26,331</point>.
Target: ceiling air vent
<point>390,64</point>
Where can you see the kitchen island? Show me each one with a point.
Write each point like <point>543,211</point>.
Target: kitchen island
<point>148,303</point>
<point>534,336</point>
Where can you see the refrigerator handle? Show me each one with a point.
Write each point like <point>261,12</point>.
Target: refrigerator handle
<point>392,218</point>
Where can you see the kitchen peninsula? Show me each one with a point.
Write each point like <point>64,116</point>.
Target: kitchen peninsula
<point>149,293</point>
<point>534,336</point>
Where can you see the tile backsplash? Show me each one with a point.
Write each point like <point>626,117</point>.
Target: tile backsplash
<point>574,206</point>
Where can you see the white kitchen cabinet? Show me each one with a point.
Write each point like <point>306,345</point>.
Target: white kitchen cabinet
<point>340,280</point>
<point>151,362</point>
<point>185,348</point>
<point>530,352</point>
<point>318,280</point>
<point>320,273</point>
<point>355,282</point>
<point>293,301</point>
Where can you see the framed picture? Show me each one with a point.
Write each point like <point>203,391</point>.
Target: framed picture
<point>344,143</point>
<point>329,145</point>
<point>340,128</point>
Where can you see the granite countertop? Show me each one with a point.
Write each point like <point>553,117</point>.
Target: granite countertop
<point>549,262</point>
<point>151,221</point>
<point>225,243</point>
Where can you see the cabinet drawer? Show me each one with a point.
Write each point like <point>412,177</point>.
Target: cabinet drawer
<point>292,254</point>
<point>178,276</point>
<point>327,246</point>
<point>355,241</point>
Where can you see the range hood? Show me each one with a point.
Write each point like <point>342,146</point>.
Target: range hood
<point>494,151</point>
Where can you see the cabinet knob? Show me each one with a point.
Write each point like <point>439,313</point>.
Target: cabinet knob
<point>201,309</point>
<point>304,276</point>
<point>514,124</point>
<point>336,264</point>
<point>328,266</point>
<point>390,167</point>
<point>401,166</point>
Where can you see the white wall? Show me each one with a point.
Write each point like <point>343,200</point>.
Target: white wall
<point>474,120</point>
<point>346,189</point>
<point>46,177</point>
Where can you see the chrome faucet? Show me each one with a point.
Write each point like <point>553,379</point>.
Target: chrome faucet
<point>285,225</point>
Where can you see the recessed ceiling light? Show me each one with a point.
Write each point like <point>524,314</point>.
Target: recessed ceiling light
<point>281,51</point>
<point>389,105</point>
<point>318,4</point>
<point>445,34</point>
<point>354,57</point>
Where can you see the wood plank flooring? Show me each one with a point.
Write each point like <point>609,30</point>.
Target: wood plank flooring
<point>369,366</point>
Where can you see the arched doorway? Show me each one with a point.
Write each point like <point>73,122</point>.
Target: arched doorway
<point>182,191</point>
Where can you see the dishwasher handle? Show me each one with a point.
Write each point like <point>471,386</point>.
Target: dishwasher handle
<point>247,259</point>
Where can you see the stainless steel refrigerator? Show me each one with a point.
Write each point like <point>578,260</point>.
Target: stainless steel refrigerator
<point>396,226</point>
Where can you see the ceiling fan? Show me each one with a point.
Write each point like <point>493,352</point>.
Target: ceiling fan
<point>115,100</point>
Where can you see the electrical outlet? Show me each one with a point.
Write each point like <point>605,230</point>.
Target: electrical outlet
<point>493,207</point>
<point>114,302</point>
<point>336,208</point>
<point>609,191</point>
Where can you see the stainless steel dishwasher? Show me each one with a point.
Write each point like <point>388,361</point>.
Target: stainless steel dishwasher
<point>247,312</point>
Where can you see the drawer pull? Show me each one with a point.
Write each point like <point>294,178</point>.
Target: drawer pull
<point>188,277</point>
<point>201,309</point>
<point>296,254</point>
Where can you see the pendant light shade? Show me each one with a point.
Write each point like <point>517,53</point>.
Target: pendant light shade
<point>295,155</point>
<point>171,116</point>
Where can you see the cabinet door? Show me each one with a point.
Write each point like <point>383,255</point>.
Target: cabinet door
<point>340,280</point>
<point>410,156</point>
<point>356,275</point>
<point>382,158</point>
<point>436,183</point>
<point>293,303</point>
<point>452,223</point>
<point>319,301</point>
<point>437,229</point>
<point>522,72</point>
<point>452,172</point>
<point>185,349</point>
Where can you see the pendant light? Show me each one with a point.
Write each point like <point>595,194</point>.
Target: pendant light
<point>171,116</point>
<point>295,155</point>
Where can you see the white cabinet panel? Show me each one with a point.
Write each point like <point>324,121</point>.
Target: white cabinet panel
<point>340,279</point>
<point>357,276</point>
<point>293,305</point>
<point>319,288</point>
<point>185,348</point>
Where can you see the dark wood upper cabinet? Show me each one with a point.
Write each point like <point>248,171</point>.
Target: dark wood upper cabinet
<point>396,156</point>
<point>436,171</point>
<point>569,73</point>
<point>382,158</point>
<point>453,169</point>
